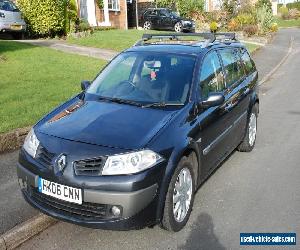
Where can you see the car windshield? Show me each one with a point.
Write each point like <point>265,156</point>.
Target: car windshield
<point>146,78</point>
<point>8,6</point>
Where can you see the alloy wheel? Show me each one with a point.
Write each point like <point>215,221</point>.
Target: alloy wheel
<point>178,27</point>
<point>147,25</point>
<point>252,129</point>
<point>182,194</point>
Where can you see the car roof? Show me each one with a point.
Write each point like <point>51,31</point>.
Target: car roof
<point>158,9</point>
<point>186,49</point>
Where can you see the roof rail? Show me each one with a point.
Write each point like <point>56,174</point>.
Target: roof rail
<point>207,37</point>
<point>227,36</point>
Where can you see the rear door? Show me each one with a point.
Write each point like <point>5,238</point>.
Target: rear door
<point>154,18</point>
<point>236,95</point>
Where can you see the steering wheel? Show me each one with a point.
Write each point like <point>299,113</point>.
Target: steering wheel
<point>128,82</point>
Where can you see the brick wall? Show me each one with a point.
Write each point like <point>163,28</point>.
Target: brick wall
<point>118,19</point>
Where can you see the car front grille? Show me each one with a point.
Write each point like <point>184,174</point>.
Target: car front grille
<point>90,167</point>
<point>44,157</point>
<point>85,211</point>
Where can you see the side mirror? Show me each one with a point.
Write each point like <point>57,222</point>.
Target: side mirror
<point>85,85</point>
<point>213,100</point>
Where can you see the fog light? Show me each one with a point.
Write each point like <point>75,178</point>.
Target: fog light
<point>115,211</point>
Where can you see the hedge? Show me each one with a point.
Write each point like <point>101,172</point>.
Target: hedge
<point>44,17</point>
<point>295,5</point>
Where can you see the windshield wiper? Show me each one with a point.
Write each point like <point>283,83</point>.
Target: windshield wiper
<point>161,105</point>
<point>119,100</point>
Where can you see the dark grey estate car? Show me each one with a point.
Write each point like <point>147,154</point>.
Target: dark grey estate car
<point>11,20</point>
<point>134,146</point>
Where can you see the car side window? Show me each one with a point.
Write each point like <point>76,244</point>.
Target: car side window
<point>164,13</point>
<point>211,75</point>
<point>247,61</point>
<point>232,65</point>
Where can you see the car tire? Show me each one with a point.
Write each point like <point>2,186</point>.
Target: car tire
<point>147,25</point>
<point>178,27</point>
<point>248,142</point>
<point>171,219</point>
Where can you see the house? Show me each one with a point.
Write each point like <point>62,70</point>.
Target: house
<point>122,14</point>
<point>211,5</point>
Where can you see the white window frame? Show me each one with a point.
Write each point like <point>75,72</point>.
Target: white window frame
<point>114,5</point>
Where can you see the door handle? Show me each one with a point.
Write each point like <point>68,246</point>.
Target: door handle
<point>246,91</point>
<point>230,105</point>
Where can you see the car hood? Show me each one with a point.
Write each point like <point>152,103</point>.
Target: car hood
<point>12,16</point>
<point>105,124</point>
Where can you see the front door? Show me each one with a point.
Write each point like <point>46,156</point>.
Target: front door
<point>212,122</point>
<point>165,19</point>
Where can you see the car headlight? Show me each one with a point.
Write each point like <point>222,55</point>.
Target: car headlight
<point>186,22</point>
<point>130,163</point>
<point>31,143</point>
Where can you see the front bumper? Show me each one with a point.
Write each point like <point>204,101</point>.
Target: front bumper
<point>189,27</point>
<point>9,27</point>
<point>138,208</point>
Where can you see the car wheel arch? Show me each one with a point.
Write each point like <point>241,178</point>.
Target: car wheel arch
<point>189,151</point>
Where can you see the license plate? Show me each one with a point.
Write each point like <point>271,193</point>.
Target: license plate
<point>60,191</point>
<point>16,27</point>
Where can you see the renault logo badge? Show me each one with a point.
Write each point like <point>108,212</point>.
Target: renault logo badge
<point>61,162</point>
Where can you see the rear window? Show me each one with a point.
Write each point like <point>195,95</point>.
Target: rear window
<point>8,6</point>
<point>234,70</point>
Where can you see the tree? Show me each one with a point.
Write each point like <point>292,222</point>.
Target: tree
<point>264,3</point>
<point>230,6</point>
<point>184,7</point>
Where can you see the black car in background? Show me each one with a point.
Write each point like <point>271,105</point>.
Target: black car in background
<point>166,19</point>
<point>134,146</point>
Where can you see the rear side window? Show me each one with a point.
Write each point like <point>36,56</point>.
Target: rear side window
<point>247,61</point>
<point>211,75</point>
<point>232,65</point>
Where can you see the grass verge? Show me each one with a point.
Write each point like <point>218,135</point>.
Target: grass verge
<point>35,79</point>
<point>287,23</point>
<point>119,40</point>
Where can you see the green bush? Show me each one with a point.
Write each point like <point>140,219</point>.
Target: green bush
<point>100,4</point>
<point>213,27</point>
<point>230,6</point>
<point>284,12</point>
<point>70,15</point>
<point>184,7</point>
<point>245,19</point>
<point>44,17</point>
<point>83,25</point>
<point>264,3</point>
<point>264,19</point>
